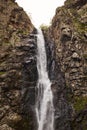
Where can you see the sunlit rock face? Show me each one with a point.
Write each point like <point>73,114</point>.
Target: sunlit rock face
<point>68,31</point>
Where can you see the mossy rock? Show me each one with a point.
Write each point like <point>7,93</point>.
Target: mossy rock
<point>44,27</point>
<point>80,103</point>
<point>2,72</point>
<point>80,27</point>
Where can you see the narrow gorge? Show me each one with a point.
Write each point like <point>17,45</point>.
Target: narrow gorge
<point>43,74</point>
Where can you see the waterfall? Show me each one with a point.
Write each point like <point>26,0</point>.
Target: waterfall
<point>44,103</point>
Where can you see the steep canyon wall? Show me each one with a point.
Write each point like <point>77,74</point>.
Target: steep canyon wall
<point>66,46</point>
<point>15,27</point>
<point>69,33</point>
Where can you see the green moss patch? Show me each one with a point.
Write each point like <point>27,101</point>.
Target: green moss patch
<point>2,72</point>
<point>44,27</point>
<point>81,27</point>
<point>80,103</point>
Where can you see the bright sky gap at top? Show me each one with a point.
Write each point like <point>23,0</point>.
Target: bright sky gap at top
<point>40,11</point>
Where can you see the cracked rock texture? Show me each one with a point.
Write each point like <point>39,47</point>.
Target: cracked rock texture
<point>15,27</point>
<point>69,33</point>
<point>18,73</point>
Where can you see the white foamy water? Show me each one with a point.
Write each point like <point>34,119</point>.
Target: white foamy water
<point>44,103</point>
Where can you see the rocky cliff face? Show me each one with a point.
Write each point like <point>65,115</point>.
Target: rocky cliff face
<point>62,109</point>
<point>15,27</point>
<point>14,22</point>
<point>66,49</point>
<point>18,72</point>
<point>69,32</point>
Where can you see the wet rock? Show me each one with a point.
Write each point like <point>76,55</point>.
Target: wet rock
<point>61,107</point>
<point>30,77</point>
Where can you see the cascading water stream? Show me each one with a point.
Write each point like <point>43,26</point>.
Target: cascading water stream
<point>44,103</point>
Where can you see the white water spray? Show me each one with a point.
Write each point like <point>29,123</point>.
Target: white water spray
<point>44,103</point>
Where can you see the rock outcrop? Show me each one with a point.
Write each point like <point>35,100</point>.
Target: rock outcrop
<point>69,33</point>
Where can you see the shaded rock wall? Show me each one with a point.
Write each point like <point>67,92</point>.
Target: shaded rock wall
<point>69,33</point>
<point>62,109</point>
